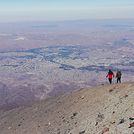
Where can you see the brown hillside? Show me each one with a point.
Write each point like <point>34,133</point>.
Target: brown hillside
<point>103,109</point>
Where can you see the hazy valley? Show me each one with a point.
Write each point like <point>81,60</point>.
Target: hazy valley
<point>42,59</point>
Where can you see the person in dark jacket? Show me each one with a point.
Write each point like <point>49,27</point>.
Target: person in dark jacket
<point>110,76</point>
<point>118,76</point>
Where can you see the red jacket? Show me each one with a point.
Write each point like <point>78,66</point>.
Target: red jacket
<point>110,76</point>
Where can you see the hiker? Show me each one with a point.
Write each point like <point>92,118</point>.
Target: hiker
<point>110,76</point>
<point>118,76</point>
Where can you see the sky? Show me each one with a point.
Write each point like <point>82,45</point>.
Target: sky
<point>53,10</point>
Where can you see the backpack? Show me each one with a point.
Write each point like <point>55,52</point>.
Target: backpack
<point>118,74</point>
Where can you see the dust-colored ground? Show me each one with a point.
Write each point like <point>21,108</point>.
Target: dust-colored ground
<point>104,109</point>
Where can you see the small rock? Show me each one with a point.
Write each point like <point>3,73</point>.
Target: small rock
<point>121,121</point>
<point>126,96</point>
<point>112,122</point>
<point>67,122</point>
<point>19,125</point>
<point>58,131</point>
<point>82,132</point>
<point>96,123</point>
<point>82,97</point>
<point>111,90</point>
<point>131,125</point>
<point>64,120</point>
<point>63,117</point>
<point>68,130</point>
<point>9,128</point>
<point>131,118</point>
<point>113,112</point>
<point>100,117</point>
<point>106,129</point>
<point>74,114</point>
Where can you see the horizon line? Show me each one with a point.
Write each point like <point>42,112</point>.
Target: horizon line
<point>68,20</point>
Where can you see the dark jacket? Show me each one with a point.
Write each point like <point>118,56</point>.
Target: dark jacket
<point>118,74</point>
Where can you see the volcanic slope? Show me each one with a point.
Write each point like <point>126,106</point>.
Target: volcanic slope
<point>98,110</point>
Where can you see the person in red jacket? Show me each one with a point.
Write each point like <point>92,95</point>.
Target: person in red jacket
<point>110,76</point>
